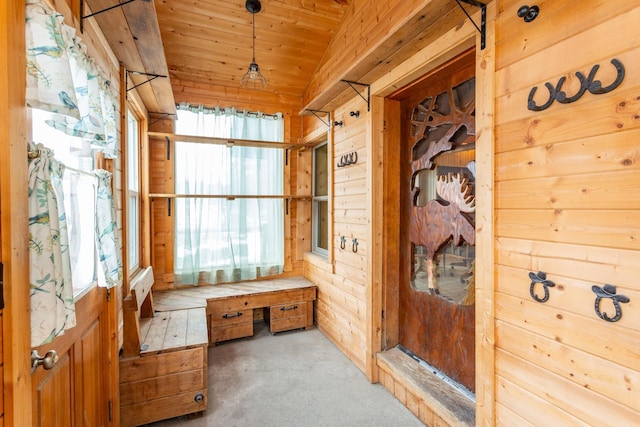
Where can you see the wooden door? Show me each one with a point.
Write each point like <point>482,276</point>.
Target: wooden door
<point>437,233</point>
<point>75,391</point>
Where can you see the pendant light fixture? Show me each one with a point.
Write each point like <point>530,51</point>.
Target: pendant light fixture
<point>253,79</point>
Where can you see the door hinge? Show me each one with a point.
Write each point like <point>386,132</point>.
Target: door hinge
<point>108,295</point>
<point>110,411</point>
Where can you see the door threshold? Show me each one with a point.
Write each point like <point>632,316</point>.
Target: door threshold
<point>429,396</point>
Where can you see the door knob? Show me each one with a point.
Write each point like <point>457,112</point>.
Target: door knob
<point>47,361</point>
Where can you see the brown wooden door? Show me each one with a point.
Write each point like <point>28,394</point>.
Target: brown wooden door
<point>74,392</point>
<point>437,310</point>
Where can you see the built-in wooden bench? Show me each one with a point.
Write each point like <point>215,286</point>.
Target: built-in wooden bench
<point>287,305</point>
<point>163,368</point>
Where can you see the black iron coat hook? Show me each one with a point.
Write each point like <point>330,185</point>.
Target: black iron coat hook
<point>609,291</point>
<point>343,242</point>
<point>354,245</point>
<point>588,83</point>
<point>540,277</point>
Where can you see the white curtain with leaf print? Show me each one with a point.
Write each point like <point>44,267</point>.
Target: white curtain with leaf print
<point>107,232</point>
<point>221,240</point>
<point>52,305</point>
<point>63,79</point>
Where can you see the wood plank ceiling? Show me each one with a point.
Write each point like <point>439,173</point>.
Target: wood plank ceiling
<point>210,41</point>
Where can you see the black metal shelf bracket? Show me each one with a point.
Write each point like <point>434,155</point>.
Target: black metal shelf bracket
<point>368,97</point>
<point>142,73</point>
<point>315,113</point>
<point>482,29</point>
<point>82,18</point>
<point>161,117</point>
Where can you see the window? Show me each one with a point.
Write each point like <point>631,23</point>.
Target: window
<point>133,192</point>
<point>79,194</point>
<point>231,226</point>
<point>320,214</point>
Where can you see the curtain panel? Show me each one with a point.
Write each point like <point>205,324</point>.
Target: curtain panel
<point>219,240</point>
<point>108,241</point>
<point>63,79</point>
<point>51,289</point>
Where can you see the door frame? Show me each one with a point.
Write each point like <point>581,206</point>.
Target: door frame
<point>385,134</point>
<point>14,218</point>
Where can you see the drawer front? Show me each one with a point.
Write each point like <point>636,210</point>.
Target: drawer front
<point>285,311</point>
<point>279,325</point>
<point>231,317</point>
<point>223,333</point>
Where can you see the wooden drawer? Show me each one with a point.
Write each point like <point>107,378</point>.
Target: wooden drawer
<point>285,317</point>
<point>230,317</point>
<point>230,332</point>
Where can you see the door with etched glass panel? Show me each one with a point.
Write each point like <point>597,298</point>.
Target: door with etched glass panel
<point>437,307</point>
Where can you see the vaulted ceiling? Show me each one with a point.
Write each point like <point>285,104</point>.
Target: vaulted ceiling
<point>209,42</point>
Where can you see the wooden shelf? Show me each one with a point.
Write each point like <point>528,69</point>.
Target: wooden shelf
<point>230,142</point>
<point>224,196</point>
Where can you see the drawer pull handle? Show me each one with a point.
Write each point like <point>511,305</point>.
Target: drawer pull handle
<point>295,307</point>
<point>230,316</point>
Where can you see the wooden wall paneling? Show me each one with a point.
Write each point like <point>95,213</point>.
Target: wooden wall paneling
<point>612,228</point>
<point>600,154</point>
<point>588,334</point>
<point>512,399</point>
<point>485,231</point>
<point>577,262</point>
<point>603,377</point>
<point>13,216</point>
<point>515,41</point>
<point>584,404</point>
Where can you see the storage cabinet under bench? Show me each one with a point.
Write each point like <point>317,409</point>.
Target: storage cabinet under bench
<point>287,305</point>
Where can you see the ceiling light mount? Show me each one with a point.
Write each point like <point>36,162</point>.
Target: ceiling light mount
<point>253,79</point>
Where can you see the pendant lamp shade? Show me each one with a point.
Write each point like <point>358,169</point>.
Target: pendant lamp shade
<point>253,79</point>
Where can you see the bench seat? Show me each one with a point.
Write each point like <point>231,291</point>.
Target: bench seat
<point>163,369</point>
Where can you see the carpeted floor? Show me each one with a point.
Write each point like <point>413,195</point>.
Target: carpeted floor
<point>296,378</point>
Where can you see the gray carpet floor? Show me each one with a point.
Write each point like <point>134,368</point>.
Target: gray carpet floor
<point>295,378</point>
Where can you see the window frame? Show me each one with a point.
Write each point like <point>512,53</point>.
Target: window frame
<point>132,268</point>
<point>315,202</point>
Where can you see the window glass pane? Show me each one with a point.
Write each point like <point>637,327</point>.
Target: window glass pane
<point>132,151</point>
<point>133,243</point>
<point>322,225</point>
<point>320,171</point>
<point>79,195</point>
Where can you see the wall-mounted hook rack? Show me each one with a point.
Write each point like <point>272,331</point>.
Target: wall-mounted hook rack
<point>315,113</point>
<point>368,98</point>
<point>348,159</point>
<point>528,13</point>
<point>482,29</point>
<point>338,124</point>
<point>355,114</point>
